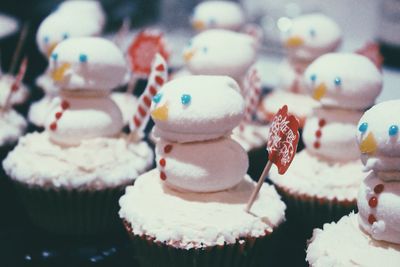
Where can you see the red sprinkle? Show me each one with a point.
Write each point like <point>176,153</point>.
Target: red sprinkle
<point>373,202</point>
<point>53,126</point>
<point>317,144</point>
<point>136,121</point>
<point>147,101</point>
<point>163,176</point>
<point>160,67</point>
<point>378,188</point>
<point>58,115</point>
<point>322,123</point>
<point>318,133</point>
<point>162,162</point>
<point>152,90</point>
<point>159,80</point>
<point>142,111</point>
<point>371,219</point>
<point>64,104</point>
<point>167,148</point>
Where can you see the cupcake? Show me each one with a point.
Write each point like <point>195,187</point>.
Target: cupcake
<point>371,237</point>
<point>55,28</point>
<point>322,183</point>
<point>309,37</point>
<point>217,15</point>
<point>192,206</point>
<point>86,160</point>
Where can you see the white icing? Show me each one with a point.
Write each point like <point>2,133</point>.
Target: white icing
<point>12,126</point>
<point>216,108</point>
<point>197,167</point>
<point>386,157</point>
<point>220,52</point>
<point>361,81</point>
<point>337,142</point>
<point>95,164</point>
<point>18,97</point>
<point>46,83</point>
<point>312,176</point>
<point>104,69</point>
<point>127,103</point>
<point>218,15</point>
<point>8,25</point>
<point>251,135</point>
<point>387,212</point>
<point>40,110</point>
<point>317,35</point>
<point>186,220</point>
<point>344,244</point>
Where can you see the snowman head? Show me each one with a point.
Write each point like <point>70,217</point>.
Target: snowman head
<point>58,27</point>
<point>90,63</point>
<point>220,52</point>
<point>378,137</point>
<point>217,15</point>
<point>84,9</point>
<point>311,36</point>
<point>197,108</point>
<point>344,80</point>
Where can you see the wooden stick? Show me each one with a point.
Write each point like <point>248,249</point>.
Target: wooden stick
<point>258,187</point>
<point>132,84</point>
<point>20,44</point>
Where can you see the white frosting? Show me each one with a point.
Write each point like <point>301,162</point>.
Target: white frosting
<point>197,167</point>
<point>18,97</point>
<point>95,164</point>
<point>312,176</point>
<point>220,52</point>
<point>46,82</point>
<point>81,9</point>
<point>12,126</point>
<point>218,15</point>
<point>386,154</point>
<point>311,36</point>
<point>127,103</point>
<point>85,118</point>
<point>251,135</point>
<point>344,244</point>
<point>337,142</point>
<point>40,110</point>
<point>57,27</point>
<point>360,80</point>
<point>187,220</point>
<point>8,25</point>
<point>104,67</point>
<point>216,108</point>
<point>387,212</point>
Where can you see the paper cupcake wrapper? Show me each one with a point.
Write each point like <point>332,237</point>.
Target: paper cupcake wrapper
<point>246,252</point>
<point>72,212</point>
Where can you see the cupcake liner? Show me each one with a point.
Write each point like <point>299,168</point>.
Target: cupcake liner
<point>72,211</point>
<point>247,252</point>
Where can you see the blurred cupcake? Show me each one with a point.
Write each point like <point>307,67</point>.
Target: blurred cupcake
<point>322,183</point>
<point>85,159</point>
<point>192,206</point>
<point>371,237</point>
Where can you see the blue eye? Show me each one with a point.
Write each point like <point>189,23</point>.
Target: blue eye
<point>363,127</point>
<point>54,56</point>
<point>186,99</point>
<point>313,33</point>
<point>157,98</point>
<point>313,77</point>
<point>65,36</point>
<point>46,39</point>
<point>205,49</point>
<point>189,43</point>
<point>338,81</point>
<point>212,22</point>
<point>393,130</point>
<point>83,58</point>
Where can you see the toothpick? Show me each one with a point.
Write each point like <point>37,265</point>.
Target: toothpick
<point>132,84</point>
<point>258,186</point>
<point>122,31</point>
<point>20,44</point>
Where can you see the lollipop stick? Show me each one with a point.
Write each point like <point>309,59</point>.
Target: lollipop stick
<point>20,44</point>
<point>258,187</point>
<point>132,84</point>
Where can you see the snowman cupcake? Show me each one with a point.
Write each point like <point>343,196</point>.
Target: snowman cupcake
<point>309,37</point>
<point>86,160</point>
<point>192,206</point>
<point>323,181</point>
<point>371,237</point>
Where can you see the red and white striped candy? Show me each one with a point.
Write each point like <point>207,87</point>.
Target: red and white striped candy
<point>17,82</point>
<point>251,92</point>
<point>158,76</point>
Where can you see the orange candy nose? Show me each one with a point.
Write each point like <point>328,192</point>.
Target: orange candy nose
<point>368,145</point>
<point>59,73</point>
<point>319,92</point>
<point>198,25</point>
<point>160,113</point>
<point>294,41</point>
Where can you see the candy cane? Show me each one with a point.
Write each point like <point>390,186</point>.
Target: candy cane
<point>17,83</point>
<point>252,92</point>
<point>157,78</point>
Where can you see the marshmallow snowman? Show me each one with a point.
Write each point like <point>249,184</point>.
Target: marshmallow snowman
<point>220,52</point>
<point>194,117</point>
<point>86,69</point>
<point>379,196</point>
<point>218,15</point>
<point>345,84</point>
<point>84,9</point>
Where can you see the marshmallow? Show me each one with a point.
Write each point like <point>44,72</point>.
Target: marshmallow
<point>90,9</point>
